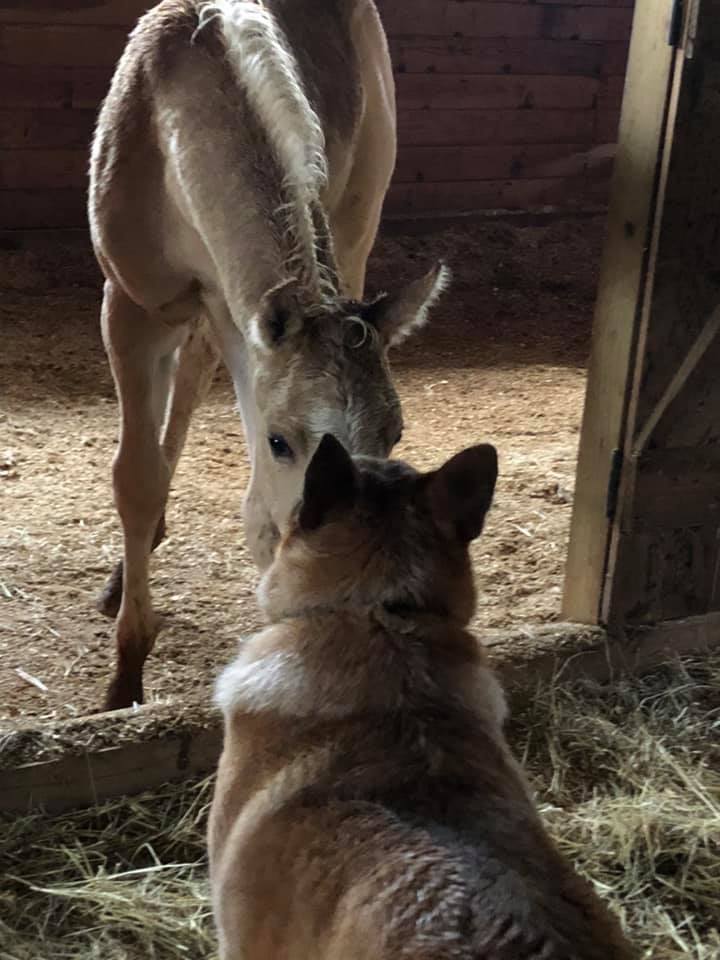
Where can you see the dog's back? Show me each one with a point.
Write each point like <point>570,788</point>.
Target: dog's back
<point>367,804</point>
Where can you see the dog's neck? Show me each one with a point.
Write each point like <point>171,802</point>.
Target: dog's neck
<point>403,616</point>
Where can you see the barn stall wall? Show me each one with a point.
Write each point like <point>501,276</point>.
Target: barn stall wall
<point>501,105</point>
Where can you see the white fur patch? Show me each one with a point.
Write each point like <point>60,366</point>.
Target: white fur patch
<point>274,682</point>
<point>281,683</point>
<point>322,420</point>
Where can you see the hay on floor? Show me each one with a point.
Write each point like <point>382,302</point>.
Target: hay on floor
<point>627,775</point>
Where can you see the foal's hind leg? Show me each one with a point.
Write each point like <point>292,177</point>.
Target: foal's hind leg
<point>141,350</point>
<point>197,363</point>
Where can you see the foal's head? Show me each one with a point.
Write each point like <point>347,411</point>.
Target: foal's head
<point>322,368</point>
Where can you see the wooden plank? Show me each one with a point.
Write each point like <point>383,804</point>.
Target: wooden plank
<point>622,271</point>
<point>86,779</point>
<point>566,650</point>
<point>89,87</point>
<point>45,128</point>
<point>42,209</point>
<point>610,25</point>
<point>607,126</point>
<point>469,127</point>
<point>467,17</point>
<point>697,355</point>
<point>109,12</point>
<point>674,488</point>
<point>451,164</point>
<point>663,573</point>
<point>610,94</point>
<point>535,56</point>
<point>570,3</point>
<point>669,564</point>
<point>477,18</point>
<point>43,169</point>
<point>446,92</point>
<point>43,88</point>
<point>47,88</point>
<point>59,46</point>
<point>584,3</point>
<point>452,198</point>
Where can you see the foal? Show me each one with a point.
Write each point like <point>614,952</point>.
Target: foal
<point>367,805</point>
<point>238,171</point>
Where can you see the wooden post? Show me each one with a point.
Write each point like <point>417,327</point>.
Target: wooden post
<point>664,562</point>
<point>637,166</point>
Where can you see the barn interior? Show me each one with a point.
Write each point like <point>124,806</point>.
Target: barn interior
<point>508,119</point>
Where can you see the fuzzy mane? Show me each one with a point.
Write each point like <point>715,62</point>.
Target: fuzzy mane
<point>265,67</point>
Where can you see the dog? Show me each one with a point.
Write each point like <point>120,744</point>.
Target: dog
<point>367,805</point>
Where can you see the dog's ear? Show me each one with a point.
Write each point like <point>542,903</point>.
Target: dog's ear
<point>460,492</point>
<point>330,483</point>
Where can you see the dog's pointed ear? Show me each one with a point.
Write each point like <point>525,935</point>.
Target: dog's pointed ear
<point>396,315</point>
<point>330,483</point>
<point>460,492</point>
<point>280,316</point>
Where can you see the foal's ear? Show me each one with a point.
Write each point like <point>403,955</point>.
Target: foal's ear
<point>461,491</point>
<point>280,315</point>
<point>330,483</point>
<point>397,315</point>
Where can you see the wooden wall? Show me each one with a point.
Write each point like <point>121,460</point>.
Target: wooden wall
<point>499,103</point>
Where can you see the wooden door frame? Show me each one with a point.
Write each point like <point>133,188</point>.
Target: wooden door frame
<point>650,97</point>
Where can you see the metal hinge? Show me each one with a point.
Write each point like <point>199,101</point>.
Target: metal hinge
<point>676,23</point>
<point>691,29</point>
<point>683,25</point>
<point>613,487</point>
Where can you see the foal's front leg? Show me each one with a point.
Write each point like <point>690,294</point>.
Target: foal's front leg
<point>141,350</point>
<point>197,362</point>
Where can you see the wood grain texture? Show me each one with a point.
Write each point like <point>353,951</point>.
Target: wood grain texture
<point>446,198</point>
<point>477,18</point>
<point>470,127</point>
<point>62,46</point>
<point>622,275</point>
<point>43,169</point>
<point>107,12</point>
<point>48,88</point>
<point>521,74</point>
<point>446,92</point>
<point>452,164</point>
<point>665,560</point>
<point>42,209</point>
<point>469,56</point>
<point>45,128</point>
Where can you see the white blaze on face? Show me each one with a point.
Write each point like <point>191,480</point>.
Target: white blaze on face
<point>328,420</point>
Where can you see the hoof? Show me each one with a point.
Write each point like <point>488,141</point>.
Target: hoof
<point>108,603</point>
<point>123,692</point>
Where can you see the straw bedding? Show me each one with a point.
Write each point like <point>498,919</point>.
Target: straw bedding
<point>627,776</point>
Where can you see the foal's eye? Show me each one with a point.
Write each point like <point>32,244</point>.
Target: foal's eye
<point>279,447</point>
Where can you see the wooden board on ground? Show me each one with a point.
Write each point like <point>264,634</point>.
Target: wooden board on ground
<point>522,657</point>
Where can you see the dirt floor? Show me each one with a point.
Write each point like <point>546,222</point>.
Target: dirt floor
<point>502,360</point>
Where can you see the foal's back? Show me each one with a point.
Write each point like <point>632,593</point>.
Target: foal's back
<point>185,172</point>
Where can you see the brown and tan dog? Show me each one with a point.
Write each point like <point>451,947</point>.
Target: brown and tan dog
<point>367,804</point>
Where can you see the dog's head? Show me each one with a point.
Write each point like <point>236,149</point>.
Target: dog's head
<point>371,533</point>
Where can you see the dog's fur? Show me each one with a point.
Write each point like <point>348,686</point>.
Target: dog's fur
<point>367,804</point>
